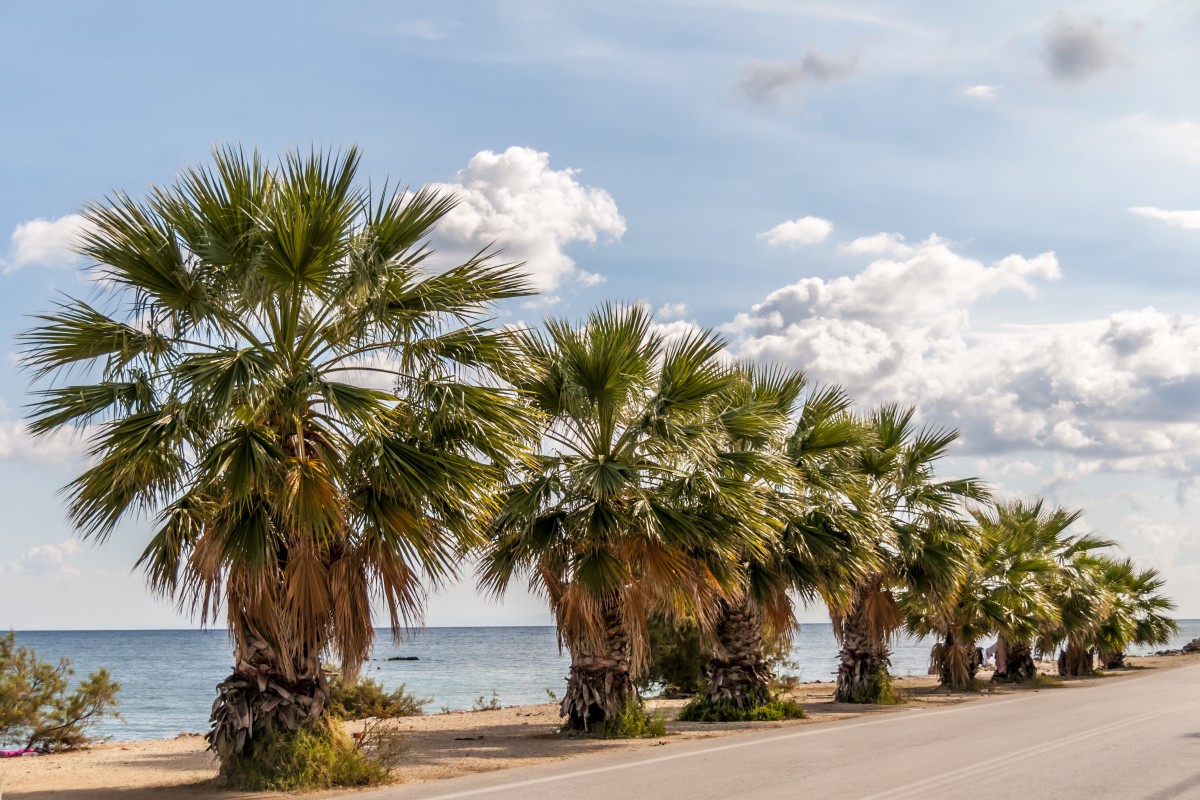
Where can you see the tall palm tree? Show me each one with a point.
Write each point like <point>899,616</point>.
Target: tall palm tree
<point>921,543</point>
<point>272,376</point>
<point>1032,538</point>
<point>629,507</point>
<point>1138,615</point>
<point>1001,593</point>
<point>818,546</point>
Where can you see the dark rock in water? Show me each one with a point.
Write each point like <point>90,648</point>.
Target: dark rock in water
<point>402,658</point>
<point>1192,647</point>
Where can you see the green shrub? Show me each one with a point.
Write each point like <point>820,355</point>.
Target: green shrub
<point>484,703</point>
<point>675,658</point>
<point>320,756</point>
<point>883,690</point>
<point>632,722</point>
<point>36,709</point>
<point>701,709</point>
<point>366,698</point>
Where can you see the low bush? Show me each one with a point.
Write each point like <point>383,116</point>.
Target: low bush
<point>38,708</point>
<point>632,722</point>
<point>320,756</point>
<point>366,698</point>
<point>883,690</point>
<point>701,709</point>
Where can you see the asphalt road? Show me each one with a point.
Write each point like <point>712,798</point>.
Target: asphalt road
<point>1126,737</point>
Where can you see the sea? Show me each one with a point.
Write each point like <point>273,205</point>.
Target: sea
<point>168,677</point>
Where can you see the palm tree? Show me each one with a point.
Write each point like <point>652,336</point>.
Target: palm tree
<point>629,508</point>
<point>1138,615</point>
<point>273,378</point>
<point>1002,593</point>
<point>921,544</point>
<point>818,547</point>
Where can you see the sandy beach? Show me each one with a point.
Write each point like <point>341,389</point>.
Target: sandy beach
<point>442,746</point>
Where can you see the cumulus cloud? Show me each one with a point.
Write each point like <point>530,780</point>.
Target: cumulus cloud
<point>1116,394</point>
<point>515,200</point>
<point>47,560</point>
<point>805,230</point>
<point>670,311</point>
<point>1186,220</point>
<point>772,82</point>
<point>57,449</point>
<point>981,92</point>
<point>1078,48</point>
<point>45,243</point>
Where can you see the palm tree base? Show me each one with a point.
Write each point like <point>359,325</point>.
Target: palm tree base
<point>594,695</point>
<point>1075,662</point>
<point>256,700</point>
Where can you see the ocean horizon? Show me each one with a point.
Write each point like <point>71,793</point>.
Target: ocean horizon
<point>168,677</point>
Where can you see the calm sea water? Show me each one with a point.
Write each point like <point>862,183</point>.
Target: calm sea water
<point>168,678</point>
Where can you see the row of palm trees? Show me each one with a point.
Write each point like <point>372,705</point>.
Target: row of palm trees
<point>315,420</point>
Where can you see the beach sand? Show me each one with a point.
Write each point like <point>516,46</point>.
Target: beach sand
<point>439,745</point>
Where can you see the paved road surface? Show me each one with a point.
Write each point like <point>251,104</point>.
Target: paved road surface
<point>1127,737</point>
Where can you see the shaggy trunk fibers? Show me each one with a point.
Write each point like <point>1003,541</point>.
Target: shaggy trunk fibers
<point>600,683</point>
<point>1018,662</point>
<point>955,663</point>
<point>256,699</point>
<point>738,672</point>
<point>864,660</point>
<point>1111,660</point>
<point>1075,661</point>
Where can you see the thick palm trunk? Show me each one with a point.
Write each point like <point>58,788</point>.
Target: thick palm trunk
<point>956,663</point>
<point>1075,661</point>
<point>864,659</point>
<point>600,683</point>
<point>1019,665</point>
<point>256,699</point>
<point>1111,660</point>
<point>738,672</point>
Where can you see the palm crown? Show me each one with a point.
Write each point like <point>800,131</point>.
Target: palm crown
<point>272,376</point>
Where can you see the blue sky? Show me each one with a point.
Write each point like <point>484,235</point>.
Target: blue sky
<point>990,212</point>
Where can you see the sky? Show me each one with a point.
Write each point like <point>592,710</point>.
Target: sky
<point>986,210</point>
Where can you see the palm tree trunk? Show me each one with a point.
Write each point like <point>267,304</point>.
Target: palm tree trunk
<point>1075,661</point>
<point>738,672</point>
<point>257,699</point>
<point>956,662</point>
<point>600,683</point>
<point>1018,662</point>
<point>1111,660</point>
<point>864,660</point>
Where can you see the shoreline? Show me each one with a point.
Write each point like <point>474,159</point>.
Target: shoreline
<point>441,746</point>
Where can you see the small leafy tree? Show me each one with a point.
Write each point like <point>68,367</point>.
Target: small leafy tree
<point>38,708</point>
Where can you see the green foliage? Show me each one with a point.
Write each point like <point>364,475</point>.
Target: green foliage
<point>883,691</point>
<point>632,722</point>
<point>366,698</point>
<point>676,658</point>
<point>312,757</point>
<point>1047,681</point>
<point>39,710</point>
<point>701,709</point>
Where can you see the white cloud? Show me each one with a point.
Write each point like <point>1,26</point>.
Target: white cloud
<point>57,449</point>
<point>47,560</point>
<point>670,311</point>
<point>805,230</point>
<point>1114,395</point>
<point>1186,220</point>
<point>515,200</point>
<point>45,243</point>
<point>982,92</point>
<point>878,244</point>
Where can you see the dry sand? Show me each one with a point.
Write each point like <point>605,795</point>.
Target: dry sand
<point>439,745</point>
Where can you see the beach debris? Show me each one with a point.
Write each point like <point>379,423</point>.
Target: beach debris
<point>467,738</point>
<point>402,658</point>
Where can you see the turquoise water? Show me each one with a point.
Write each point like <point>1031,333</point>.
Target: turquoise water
<point>168,678</point>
